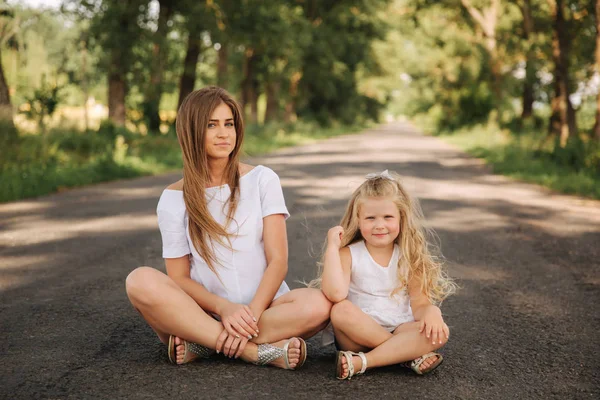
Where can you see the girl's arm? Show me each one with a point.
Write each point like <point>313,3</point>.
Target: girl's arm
<point>276,252</point>
<point>430,316</point>
<point>236,318</point>
<point>337,265</point>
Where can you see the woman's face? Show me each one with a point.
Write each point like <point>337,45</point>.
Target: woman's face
<point>220,136</point>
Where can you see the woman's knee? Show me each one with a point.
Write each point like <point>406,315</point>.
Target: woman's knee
<point>142,284</point>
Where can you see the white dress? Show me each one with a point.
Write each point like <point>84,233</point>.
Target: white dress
<point>241,269</point>
<point>371,286</point>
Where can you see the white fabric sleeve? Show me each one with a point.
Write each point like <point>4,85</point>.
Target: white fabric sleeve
<point>173,232</point>
<point>271,195</point>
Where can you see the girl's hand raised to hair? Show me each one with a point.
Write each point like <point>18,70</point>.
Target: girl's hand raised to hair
<point>433,325</point>
<point>334,237</point>
<point>239,321</point>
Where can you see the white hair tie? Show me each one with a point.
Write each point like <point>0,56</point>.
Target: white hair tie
<point>385,174</point>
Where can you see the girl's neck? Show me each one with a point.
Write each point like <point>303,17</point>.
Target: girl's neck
<point>382,251</point>
<point>216,171</point>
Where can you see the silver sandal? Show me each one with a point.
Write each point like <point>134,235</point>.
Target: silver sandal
<point>268,353</point>
<point>190,348</point>
<point>348,355</point>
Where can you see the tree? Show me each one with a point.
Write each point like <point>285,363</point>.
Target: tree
<point>562,120</point>
<point>154,88</point>
<point>116,27</point>
<point>527,37</point>
<point>487,20</point>
<point>8,28</point>
<point>597,125</point>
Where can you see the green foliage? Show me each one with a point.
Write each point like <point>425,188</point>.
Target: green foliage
<point>37,165</point>
<point>526,155</point>
<point>341,47</point>
<point>42,103</point>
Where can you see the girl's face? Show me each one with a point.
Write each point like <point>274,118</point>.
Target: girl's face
<point>379,221</point>
<point>220,135</point>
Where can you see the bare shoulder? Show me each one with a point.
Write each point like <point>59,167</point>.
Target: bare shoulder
<point>176,186</point>
<point>245,168</point>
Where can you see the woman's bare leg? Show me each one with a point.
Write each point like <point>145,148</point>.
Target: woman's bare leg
<point>300,312</point>
<point>170,311</point>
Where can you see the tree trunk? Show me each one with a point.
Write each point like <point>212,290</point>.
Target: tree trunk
<point>597,126</point>
<point>272,92</point>
<point>84,84</point>
<point>528,94</point>
<point>188,78</point>
<point>254,103</point>
<point>159,55</point>
<point>290,105</point>
<point>8,132</point>
<point>222,65</point>
<point>487,19</point>
<point>562,121</point>
<point>249,92</point>
<point>117,90</point>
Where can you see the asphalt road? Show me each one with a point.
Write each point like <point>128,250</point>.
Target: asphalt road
<point>524,324</point>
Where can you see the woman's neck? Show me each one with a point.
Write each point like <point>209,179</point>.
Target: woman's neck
<point>216,171</point>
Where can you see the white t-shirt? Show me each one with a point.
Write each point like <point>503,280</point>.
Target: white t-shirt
<point>241,269</point>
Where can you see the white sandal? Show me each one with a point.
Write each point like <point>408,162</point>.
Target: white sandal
<point>416,363</point>
<point>268,353</point>
<point>348,355</point>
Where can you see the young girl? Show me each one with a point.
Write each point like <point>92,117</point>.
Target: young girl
<point>225,250</point>
<point>378,271</point>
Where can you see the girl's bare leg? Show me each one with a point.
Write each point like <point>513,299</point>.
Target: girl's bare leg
<point>357,331</point>
<point>170,311</point>
<point>300,312</point>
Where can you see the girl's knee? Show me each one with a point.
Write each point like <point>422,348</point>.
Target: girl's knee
<point>341,312</point>
<point>317,308</point>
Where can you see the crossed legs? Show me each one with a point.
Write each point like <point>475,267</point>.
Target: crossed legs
<point>357,331</point>
<point>170,311</point>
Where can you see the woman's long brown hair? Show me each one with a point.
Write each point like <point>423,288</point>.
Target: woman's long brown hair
<point>192,121</point>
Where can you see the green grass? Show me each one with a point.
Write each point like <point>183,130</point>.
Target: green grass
<point>36,165</point>
<point>526,156</point>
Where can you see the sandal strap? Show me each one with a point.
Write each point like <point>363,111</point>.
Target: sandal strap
<point>416,363</point>
<point>268,353</point>
<point>364,362</point>
<point>348,355</point>
<point>199,350</point>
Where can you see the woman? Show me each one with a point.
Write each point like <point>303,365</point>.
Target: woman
<point>225,248</point>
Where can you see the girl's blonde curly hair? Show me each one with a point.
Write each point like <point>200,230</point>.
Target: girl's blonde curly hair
<point>416,261</point>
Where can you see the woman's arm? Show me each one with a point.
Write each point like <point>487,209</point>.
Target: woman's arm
<point>337,266</point>
<point>236,318</point>
<point>178,269</point>
<point>276,252</point>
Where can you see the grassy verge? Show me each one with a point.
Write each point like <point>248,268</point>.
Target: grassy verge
<point>524,154</point>
<point>36,165</point>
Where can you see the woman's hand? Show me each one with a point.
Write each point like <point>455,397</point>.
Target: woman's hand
<point>239,321</point>
<point>334,237</point>
<point>231,345</point>
<point>433,325</point>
